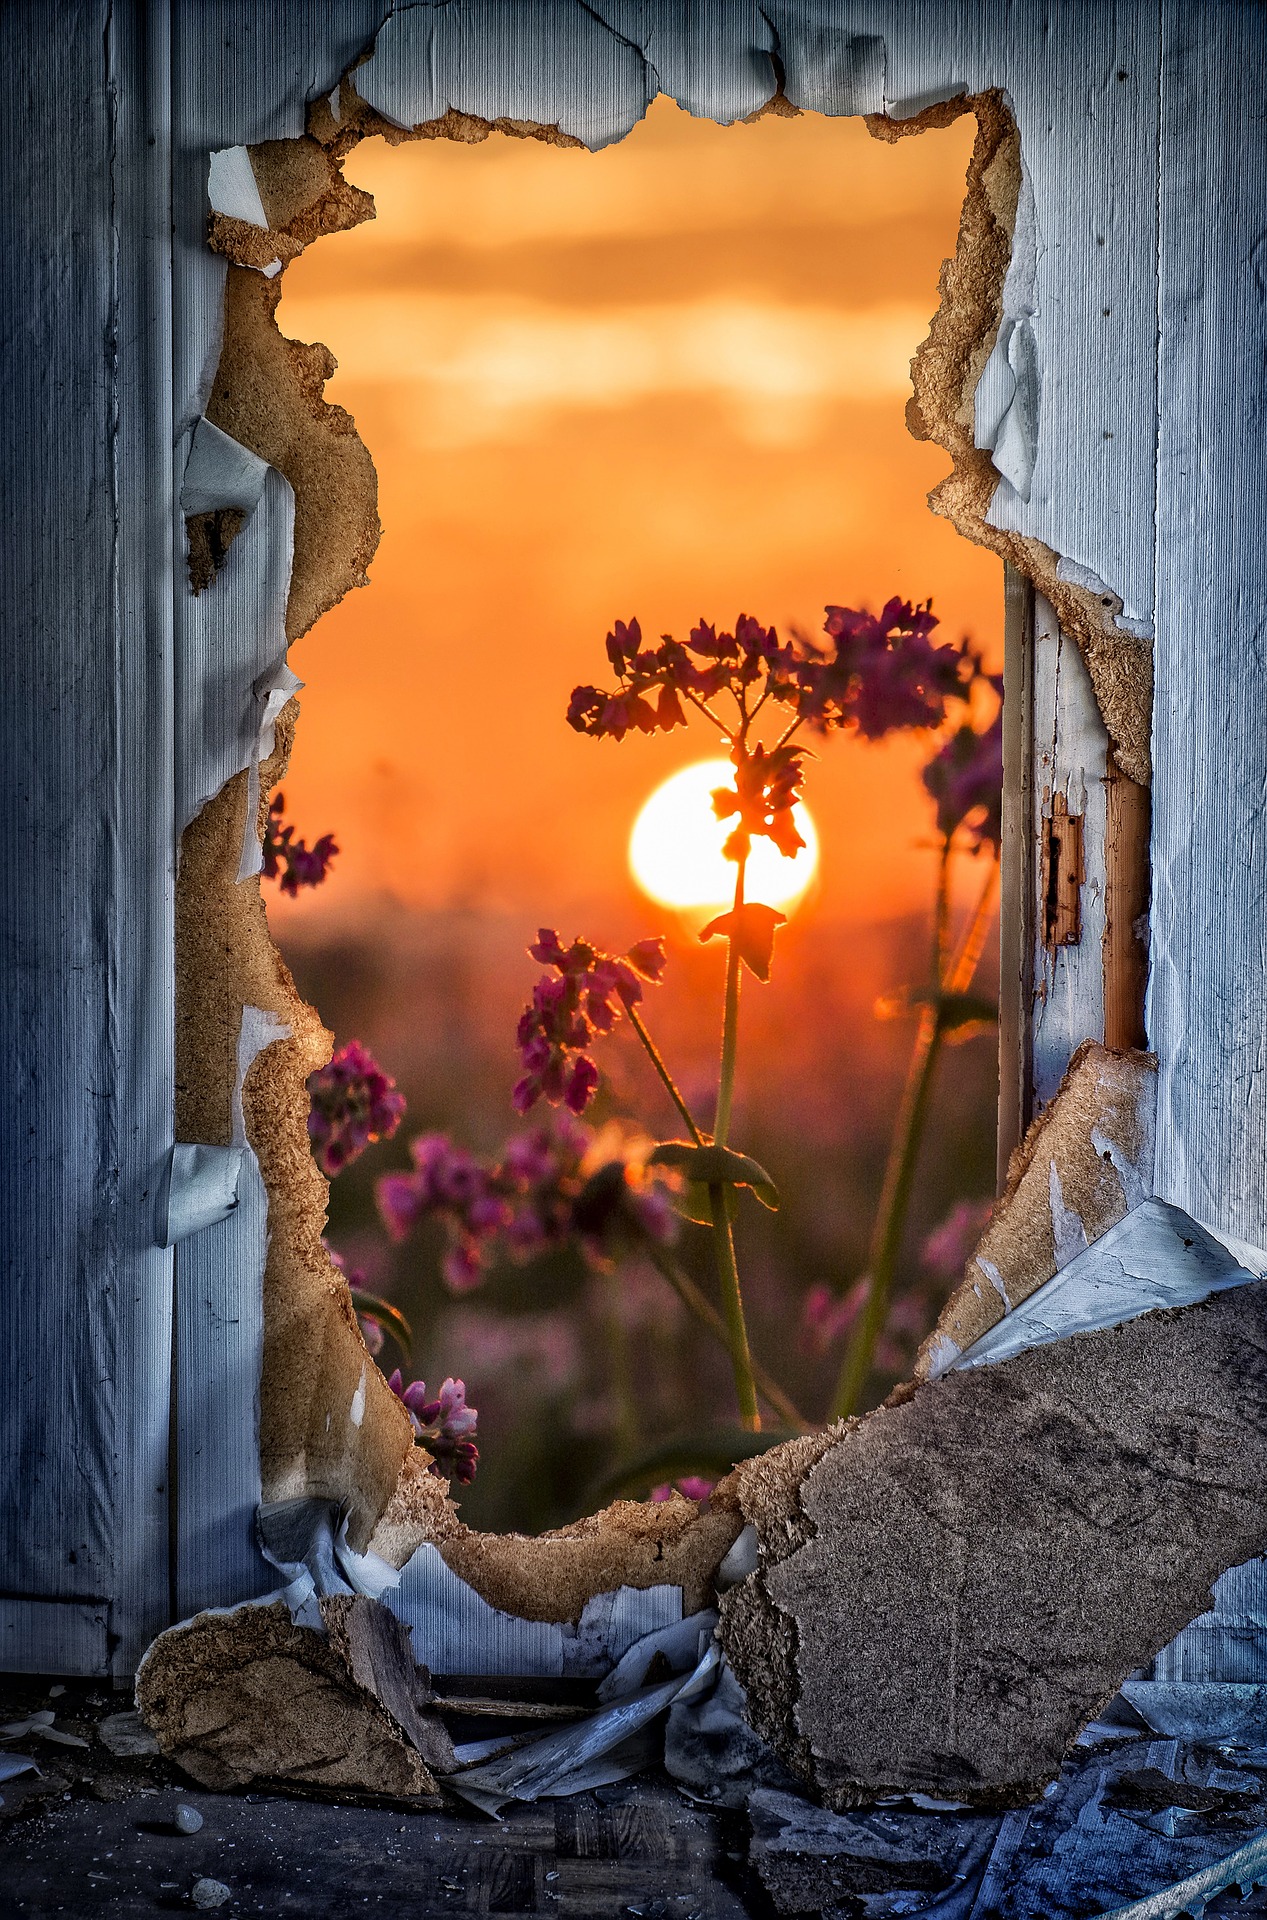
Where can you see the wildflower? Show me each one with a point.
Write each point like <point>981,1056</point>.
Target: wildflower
<point>952,1243</point>
<point>965,778</point>
<point>293,863</point>
<point>353,1102</point>
<point>585,995</point>
<point>826,1317</point>
<point>767,787</point>
<point>556,1186</point>
<point>690,1485</point>
<point>445,1426</point>
<point>884,673</point>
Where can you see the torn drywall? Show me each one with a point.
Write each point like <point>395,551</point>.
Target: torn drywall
<point>977,394</point>
<point>1084,1164</point>
<point>245,1695</point>
<point>969,1576</point>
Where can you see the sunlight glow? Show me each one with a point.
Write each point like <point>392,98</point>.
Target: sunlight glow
<point>675,849</point>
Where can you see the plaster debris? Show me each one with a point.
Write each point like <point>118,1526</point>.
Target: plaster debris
<point>1157,1257</point>
<point>232,189</point>
<point>127,1736</point>
<point>978,354</point>
<point>247,1695</point>
<point>810,1859</point>
<point>968,1577</point>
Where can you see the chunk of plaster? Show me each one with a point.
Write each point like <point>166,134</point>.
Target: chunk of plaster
<point>220,473</point>
<point>1157,1257</point>
<point>232,188</point>
<point>241,1695</point>
<point>201,1188</point>
<point>965,1579</point>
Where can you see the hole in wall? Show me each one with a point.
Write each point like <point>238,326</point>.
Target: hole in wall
<point>665,380</point>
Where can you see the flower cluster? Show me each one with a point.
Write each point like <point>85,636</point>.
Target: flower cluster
<point>583,996</point>
<point>352,1103</point>
<point>556,1186</point>
<point>445,1426</point>
<point>884,674</point>
<point>880,673</point>
<point>965,778</point>
<point>293,863</point>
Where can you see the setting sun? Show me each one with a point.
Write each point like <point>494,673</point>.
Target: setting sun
<point>675,849</point>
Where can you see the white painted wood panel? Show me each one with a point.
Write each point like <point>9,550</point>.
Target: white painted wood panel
<point>1208,993</point>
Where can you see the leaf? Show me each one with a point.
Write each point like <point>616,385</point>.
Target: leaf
<point>707,1453</point>
<point>695,1202</point>
<point>959,1014</point>
<point>392,1318</point>
<point>716,1166</point>
<point>752,929</point>
<point>967,1010</point>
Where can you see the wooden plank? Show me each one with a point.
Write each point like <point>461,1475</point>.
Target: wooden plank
<point>85,835</point>
<point>1069,758</point>
<point>1017,899</point>
<point>1208,994</point>
<point>142,931</point>
<point>55,1636</point>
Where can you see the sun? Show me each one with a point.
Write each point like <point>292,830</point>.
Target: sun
<point>675,849</point>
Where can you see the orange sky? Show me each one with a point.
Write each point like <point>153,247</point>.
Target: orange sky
<point>665,380</point>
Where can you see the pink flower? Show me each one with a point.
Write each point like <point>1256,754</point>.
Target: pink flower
<point>826,1316</point>
<point>445,1426</point>
<point>293,863</point>
<point>691,1485</point>
<point>547,1190</point>
<point>353,1102</point>
<point>952,1243</point>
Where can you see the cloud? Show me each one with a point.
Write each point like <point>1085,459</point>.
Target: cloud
<point>472,368</point>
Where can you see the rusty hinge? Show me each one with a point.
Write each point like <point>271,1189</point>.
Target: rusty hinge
<point>1063,875</point>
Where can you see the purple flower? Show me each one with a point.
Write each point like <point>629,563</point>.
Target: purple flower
<point>884,673</point>
<point>293,863</point>
<point>555,1186</point>
<point>585,995</point>
<point>445,1426</point>
<point>353,1102</point>
<point>826,1316</point>
<point>965,778</point>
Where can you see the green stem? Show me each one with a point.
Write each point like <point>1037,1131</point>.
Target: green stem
<point>625,1433</point>
<point>730,1027</point>
<point>732,1308</point>
<point>723,1238</point>
<point>635,1020</point>
<point>698,1303</point>
<point>886,1240</point>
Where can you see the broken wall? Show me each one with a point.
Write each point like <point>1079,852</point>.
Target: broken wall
<point>1056,444</point>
